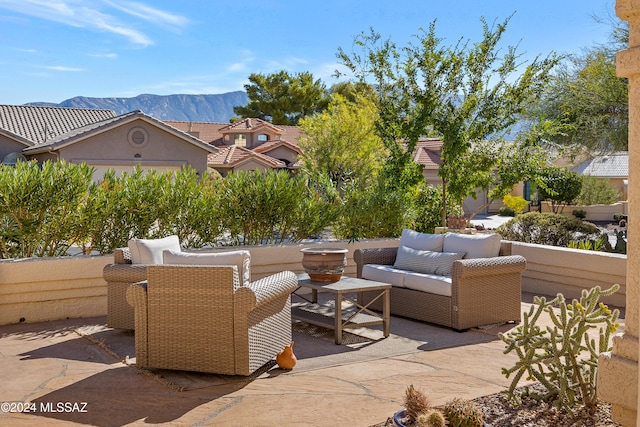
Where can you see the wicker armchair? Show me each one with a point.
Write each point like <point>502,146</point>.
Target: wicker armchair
<point>199,318</point>
<point>119,276</point>
<point>483,290</point>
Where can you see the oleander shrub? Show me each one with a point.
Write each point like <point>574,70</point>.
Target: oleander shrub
<point>548,229</point>
<point>40,207</point>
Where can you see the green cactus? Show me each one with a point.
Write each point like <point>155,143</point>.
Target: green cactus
<point>431,418</point>
<point>554,356</point>
<point>462,413</point>
<point>415,403</point>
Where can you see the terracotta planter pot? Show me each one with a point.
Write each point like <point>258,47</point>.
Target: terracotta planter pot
<point>324,264</point>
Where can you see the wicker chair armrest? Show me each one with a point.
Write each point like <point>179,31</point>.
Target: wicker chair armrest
<point>488,266</point>
<point>137,294</point>
<point>383,256</point>
<point>274,286</point>
<point>128,273</point>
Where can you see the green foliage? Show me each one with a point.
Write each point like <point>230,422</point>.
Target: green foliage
<point>270,207</point>
<point>547,229</point>
<point>555,355</point>
<point>600,244</point>
<point>588,101</point>
<point>560,185</point>
<point>462,413</point>
<point>283,99</point>
<point>516,203</point>
<point>341,142</point>
<point>372,211</point>
<point>427,203</point>
<point>415,402</point>
<point>463,94</point>
<point>506,211</point>
<point>40,207</point>
<point>579,213</point>
<point>597,191</point>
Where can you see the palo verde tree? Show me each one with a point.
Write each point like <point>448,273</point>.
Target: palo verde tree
<point>282,98</point>
<point>463,94</point>
<point>341,142</point>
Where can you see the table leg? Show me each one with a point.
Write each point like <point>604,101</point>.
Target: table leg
<point>338,318</point>
<point>386,312</point>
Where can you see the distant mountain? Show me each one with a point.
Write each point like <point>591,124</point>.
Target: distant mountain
<point>191,108</point>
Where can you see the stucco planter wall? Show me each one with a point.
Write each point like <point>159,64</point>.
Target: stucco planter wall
<point>57,288</point>
<point>594,212</point>
<point>551,270</point>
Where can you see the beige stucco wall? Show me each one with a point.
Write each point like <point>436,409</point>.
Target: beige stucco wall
<point>57,288</point>
<point>594,212</point>
<point>618,370</point>
<point>44,289</point>
<point>553,269</point>
<point>8,145</point>
<point>111,149</point>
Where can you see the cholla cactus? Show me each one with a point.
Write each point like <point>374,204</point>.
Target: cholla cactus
<point>462,413</point>
<point>553,356</point>
<point>431,418</point>
<point>415,402</point>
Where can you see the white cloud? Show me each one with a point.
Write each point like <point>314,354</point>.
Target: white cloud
<point>63,68</point>
<point>104,55</point>
<point>97,15</point>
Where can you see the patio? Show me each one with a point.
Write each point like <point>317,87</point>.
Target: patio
<point>78,372</point>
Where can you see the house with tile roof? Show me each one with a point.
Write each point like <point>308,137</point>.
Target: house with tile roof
<point>613,167</point>
<point>247,144</point>
<point>99,138</point>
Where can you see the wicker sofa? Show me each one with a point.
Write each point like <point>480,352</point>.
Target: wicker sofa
<point>483,286</point>
<point>202,318</point>
<point>119,276</point>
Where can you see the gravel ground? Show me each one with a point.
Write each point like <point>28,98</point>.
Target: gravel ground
<point>498,412</point>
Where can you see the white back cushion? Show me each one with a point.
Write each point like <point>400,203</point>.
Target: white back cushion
<point>427,262</point>
<point>422,241</point>
<point>474,245</point>
<point>149,251</point>
<point>241,259</point>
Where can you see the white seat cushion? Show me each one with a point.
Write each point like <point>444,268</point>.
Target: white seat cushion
<point>384,274</point>
<point>422,241</point>
<point>431,283</point>
<point>241,259</point>
<point>474,245</point>
<point>149,251</point>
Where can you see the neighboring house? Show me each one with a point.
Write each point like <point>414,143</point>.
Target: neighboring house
<point>613,167</point>
<point>247,144</point>
<point>99,138</point>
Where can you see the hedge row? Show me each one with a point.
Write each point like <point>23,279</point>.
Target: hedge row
<point>48,208</point>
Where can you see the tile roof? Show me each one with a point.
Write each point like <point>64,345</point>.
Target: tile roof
<point>41,124</point>
<point>615,165</point>
<point>98,126</point>
<point>211,132</point>
<point>427,153</point>
<point>233,155</point>
<point>275,143</point>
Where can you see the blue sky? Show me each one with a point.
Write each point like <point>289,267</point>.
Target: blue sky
<point>52,50</point>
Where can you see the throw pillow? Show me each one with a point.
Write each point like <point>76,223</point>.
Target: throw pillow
<point>423,241</point>
<point>149,251</point>
<point>427,262</point>
<point>475,245</point>
<point>241,259</point>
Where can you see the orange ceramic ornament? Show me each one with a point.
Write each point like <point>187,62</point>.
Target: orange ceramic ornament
<point>285,358</point>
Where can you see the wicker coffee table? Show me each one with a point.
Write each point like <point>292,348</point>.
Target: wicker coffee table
<point>353,317</point>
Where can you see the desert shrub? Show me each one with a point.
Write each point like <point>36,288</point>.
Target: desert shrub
<point>548,229</point>
<point>516,203</point>
<point>579,213</point>
<point>597,191</point>
<point>506,211</point>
